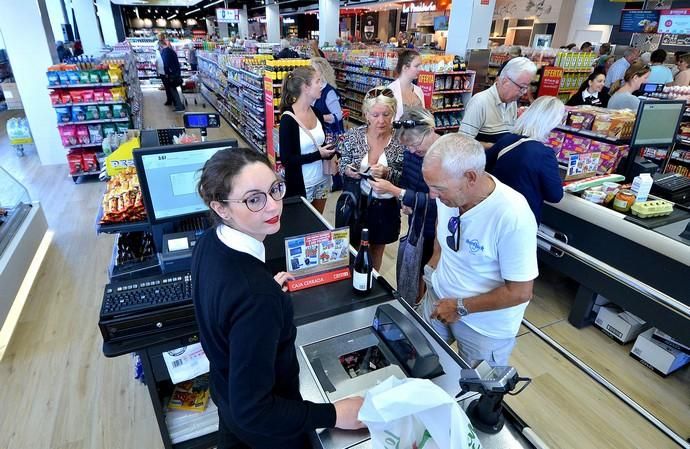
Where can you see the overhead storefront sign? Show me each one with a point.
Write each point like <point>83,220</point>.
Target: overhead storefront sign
<point>419,7</point>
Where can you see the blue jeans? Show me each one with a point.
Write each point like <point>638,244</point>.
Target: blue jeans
<point>472,346</point>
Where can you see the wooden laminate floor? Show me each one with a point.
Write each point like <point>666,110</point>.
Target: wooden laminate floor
<point>60,392</point>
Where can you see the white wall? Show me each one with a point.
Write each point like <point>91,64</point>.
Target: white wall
<point>105,16</point>
<point>546,11</point>
<point>469,26</point>
<point>87,22</point>
<point>580,29</point>
<point>329,26</point>
<point>272,23</point>
<point>57,18</point>
<point>30,58</point>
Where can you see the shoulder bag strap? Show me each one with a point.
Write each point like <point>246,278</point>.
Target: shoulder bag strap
<point>304,128</point>
<point>510,147</point>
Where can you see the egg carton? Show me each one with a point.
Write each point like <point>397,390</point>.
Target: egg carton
<point>648,209</point>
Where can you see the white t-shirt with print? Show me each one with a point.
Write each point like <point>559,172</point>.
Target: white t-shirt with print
<point>312,172</point>
<point>498,241</point>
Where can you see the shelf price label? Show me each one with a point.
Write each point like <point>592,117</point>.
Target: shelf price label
<point>550,82</point>
<point>426,83</point>
<point>268,111</point>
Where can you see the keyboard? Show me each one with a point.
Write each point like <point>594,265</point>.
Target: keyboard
<point>146,294</point>
<point>673,183</point>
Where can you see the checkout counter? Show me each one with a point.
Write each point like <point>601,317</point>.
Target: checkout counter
<point>331,322</point>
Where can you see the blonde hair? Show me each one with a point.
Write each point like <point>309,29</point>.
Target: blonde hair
<point>425,122</point>
<point>540,118</point>
<point>635,69</point>
<point>292,85</point>
<point>324,68</point>
<point>370,102</point>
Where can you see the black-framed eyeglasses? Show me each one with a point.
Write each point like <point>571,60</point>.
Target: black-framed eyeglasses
<point>257,200</point>
<point>407,124</point>
<point>453,240</point>
<point>376,91</point>
<point>523,89</point>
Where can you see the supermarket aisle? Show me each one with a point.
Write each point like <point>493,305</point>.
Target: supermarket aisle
<point>63,394</point>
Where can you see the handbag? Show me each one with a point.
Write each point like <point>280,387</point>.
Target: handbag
<point>410,249</point>
<point>330,166</point>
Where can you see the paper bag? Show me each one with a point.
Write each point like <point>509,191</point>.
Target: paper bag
<point>415,414</point>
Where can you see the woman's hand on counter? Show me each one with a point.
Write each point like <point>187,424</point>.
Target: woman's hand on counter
<point>281,278</point>
<point>346,411</point>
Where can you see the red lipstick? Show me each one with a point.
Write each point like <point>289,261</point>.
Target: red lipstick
<point>273,220</point>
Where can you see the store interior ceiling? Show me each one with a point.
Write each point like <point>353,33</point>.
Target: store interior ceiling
<point>199,9</point>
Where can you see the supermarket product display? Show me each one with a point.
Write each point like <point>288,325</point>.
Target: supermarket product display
<point>144,49</point>
<point>94,99</point>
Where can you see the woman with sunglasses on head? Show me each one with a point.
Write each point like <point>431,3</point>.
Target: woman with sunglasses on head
<point>415,130</point>
<point>622,90</point>
<point>245,319</point>
<point>301,137</point>
<point>374,150</point>
<point>406,93</point>
<point>522,161</point>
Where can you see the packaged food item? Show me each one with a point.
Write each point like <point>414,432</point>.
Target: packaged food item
<point>624,200</point>
<point>109,128</point>
<point>92,113</point>
<point>64,77</point>
<point>595,196</point>
<point>87,96</point>
<point>78,113</point>
<point>118,94</point>
<point>580,119</point>
<point>98,95</point>
<point>90,161</point>
<point>84,77</point>
<point>104,76</point>
<point>94,78</point>
<point>107,95</point>
<point>120,111</point>
<point>64,114</point>
<point>77,96</point>
<point>115,74</point>
<point>82,134</point>
<point>53,78</point>
<point>439,83</point>
<point>65,97</point>
<point>73,77</point>
<point>121,127</point>
<point>95,133</point>
<point>618,124</point>
<point>457,83</point>
<point>104,112</point>
<point>648,209</point>
<point>55,97</point>
<point>448,83</point>
<point>75,163</point>
<point>68,135</point>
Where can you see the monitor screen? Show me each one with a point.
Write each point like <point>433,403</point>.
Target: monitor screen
<point>639,21</point>
<point>441,23</point>
<point>169,175</point>
<point>674,21</point>
<point>657,122</point>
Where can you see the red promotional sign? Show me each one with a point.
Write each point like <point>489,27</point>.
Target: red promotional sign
<point>319,279</point>
<point>550,81</point>
<point>268,112</point>
<point>483,2</point>
<point>426,83</point>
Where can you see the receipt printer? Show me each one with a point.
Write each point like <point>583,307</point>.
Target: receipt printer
<point>177,251</point>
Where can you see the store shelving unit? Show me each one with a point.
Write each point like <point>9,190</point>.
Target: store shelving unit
<point>354,80</point>
<point>445,95</point>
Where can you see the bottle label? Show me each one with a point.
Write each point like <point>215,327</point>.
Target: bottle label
<point>359,280</point>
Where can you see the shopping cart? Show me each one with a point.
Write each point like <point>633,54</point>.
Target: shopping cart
<point>19,133</point>
<point>190,88</point>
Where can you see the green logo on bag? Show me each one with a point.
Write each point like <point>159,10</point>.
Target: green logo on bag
<point>392,441</point>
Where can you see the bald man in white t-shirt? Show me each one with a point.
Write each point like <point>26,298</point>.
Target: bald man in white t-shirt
<point>485,255</point>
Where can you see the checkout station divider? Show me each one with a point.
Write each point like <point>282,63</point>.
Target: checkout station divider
<point>157,332</point>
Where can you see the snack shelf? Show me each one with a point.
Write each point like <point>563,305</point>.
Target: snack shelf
<point>586,133</point>
<point>246,72</point>
<point>210,61</point>
<point>79,86</point>
<point>364,73</point>
<point>91,103</point>
<point>345,97</point>
<point>115,228</point>
<point>90,122</point>
<point>434,111</point>
<point>82,145</point>
<point>85,173</point>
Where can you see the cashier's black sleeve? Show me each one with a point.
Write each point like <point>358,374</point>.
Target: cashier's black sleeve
<point>254,339</point>
<point>290,147</point>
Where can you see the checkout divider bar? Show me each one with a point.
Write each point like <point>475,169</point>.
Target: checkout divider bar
<point>650,292</point>
<point>608,385</point>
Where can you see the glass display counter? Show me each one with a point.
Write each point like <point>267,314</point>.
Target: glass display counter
<point>15,205</point>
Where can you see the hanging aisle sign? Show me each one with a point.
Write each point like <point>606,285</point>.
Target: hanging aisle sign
<point>550,82</point>
<point>224,15</point>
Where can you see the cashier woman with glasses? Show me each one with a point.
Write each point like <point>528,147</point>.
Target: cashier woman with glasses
<point>479,279</point>
<point>245,319</point>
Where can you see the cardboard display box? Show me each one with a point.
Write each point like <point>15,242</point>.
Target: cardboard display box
<point>619,325</point>
<point>659,357</point>
<point>12,97</point>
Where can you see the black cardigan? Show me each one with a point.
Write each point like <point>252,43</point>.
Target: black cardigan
<point>576,100</point>
<point>247,332</point>
<point>291,153</point>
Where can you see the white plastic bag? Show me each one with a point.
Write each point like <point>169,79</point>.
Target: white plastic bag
<point>415,414</point>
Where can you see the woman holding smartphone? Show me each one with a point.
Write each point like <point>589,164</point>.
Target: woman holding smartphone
<point>245,319</point>
<point>374,151</point>
<point>301,138</point>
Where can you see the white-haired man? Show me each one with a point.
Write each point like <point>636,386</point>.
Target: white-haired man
<point>617,70</point>
<point>491,114</point>
<point>479,279</point>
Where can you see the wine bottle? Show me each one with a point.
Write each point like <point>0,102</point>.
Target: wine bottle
<point>362,278</point>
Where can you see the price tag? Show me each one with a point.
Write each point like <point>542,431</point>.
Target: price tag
<point>186,362</point>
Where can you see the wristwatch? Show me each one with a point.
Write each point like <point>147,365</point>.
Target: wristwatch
<point>401,195</point>
<point>462,310</point>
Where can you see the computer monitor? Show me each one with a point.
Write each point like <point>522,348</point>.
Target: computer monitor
<point>657,122</point>
<point>168,176</point>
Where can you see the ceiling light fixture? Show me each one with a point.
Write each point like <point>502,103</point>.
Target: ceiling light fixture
<point>214,3</point>
<point>172,16</point>
<point>192,12</point>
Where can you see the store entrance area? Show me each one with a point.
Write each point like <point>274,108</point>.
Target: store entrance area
<point>55,369</point>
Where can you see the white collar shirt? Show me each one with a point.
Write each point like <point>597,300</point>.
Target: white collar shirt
<point>239,241</point>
